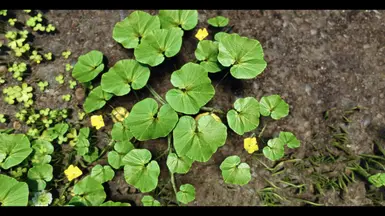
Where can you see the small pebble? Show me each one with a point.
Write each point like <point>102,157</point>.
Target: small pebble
<point>80,94</point>
<point>16,125</point>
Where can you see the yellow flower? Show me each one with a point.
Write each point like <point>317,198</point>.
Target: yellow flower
<point>250,144</point>
<point>202,34</point>
<point>207,113</point>
<point>119,114</point>
<point>72,172</point>
<point>97,121</point>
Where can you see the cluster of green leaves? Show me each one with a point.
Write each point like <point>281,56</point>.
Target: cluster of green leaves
<point>378,180</point>
<point>35,22</point>
<point>22,94</point>
<point>17,41</point>
<point>18,70</point>
<point>276,147</point>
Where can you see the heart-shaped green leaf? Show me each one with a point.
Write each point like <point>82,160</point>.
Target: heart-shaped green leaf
<point>54,132</point>
<point>186,193</point>
<point>177,164</point>
<point>41,172</point>
<point>121,149</point>
<point>92,155</point>
<point>102,173</point>
<point>275,106</point>
<point>193,89</point>
<point>12,192</point>
<point>275,149</point>
<point>199,140</point>
<point>145,122</point>
<point>185,19</point>
<point>14,148</point>
<point>139,171</point>
<point>112,203</point>
<point>289,139</point>
<point>96,99</point>
<point>82,145</point>
<point>207,53</point>
<point>88,66</point>
<point>121,132</point>
<point>218,21</point>
<point>244,55</point>
<point>220,35</point>
<point>41,151</point>
<point>235,172</point>
<point>88,192</point>
<point>134,27</point>
<point>158,44</point>
<point>150,201</point>
<point>123,76</point>
<point>245,117</point>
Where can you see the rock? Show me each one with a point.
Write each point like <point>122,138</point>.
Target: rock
<point>313,32</point>
<point>3,70</point>
<point>16,125</point>
<point>80,94</point>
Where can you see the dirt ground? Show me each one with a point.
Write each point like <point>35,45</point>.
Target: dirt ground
<point>317,60</point>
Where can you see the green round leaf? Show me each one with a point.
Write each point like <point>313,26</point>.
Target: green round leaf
<point>134,27</point>
<point>185,19</point>
<point>14,148</point>
<point>12,192</point>
<point>139,171</point>
<point>42,147</point>
<point>150,201</point>
<point>102,173</point>
<point>193,89</point>
<point>96,99</point>
<point>177,164</point>
<point>88,66</point>
<point>158,44</point>
<point>289,139</point>
<point>199,140</point>
<point>273,105</point>
<point>378,180</point>
<point>243,54</point>
<point>112,203</point>
<point>235,172</point>
<point>186,193</point>
<point>207,53</point>
<point>41,172</point>
<point>218,21</point>
<point>145,122</point>
<point>92,155</point>
<point>121,149</point>
<point>88,192</point>
<point>124,75</point>
<point>220,35</point>
<point>245,117</point>
<point>82,146</point>
<point>58,130</point>
<point>36,185</point>
<point>120,131</point>
<point>275,149</point>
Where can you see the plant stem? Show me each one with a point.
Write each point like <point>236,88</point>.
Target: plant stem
<point>380,148</point>
<point>222,79</point>
<point>210,109</point>
<point>171,173</point>
<point>263,129</point>
<point>306,201</point>
<point>105,149</point>
<point>360,171</point>
<point>156,95</point>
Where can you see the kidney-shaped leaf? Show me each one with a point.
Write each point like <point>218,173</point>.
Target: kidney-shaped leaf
<point>88,66</point>
<point>218,21</point>
<point>158,44</point>
<point>88,192</point>
<point>235,172</point>
<point>12,192</point>
<point>14,148</point>
<point>123,76</point>
<point>102,173</point>
<point>185,19</point>
<point>243,54</point>
<point>193,89</point>
<point>41,172</point>
<point>245,117</point>
<point>177,164</point>
<point>145,122</point>
<point>150,201</point>
<point>115,158</point>
<point>289,139</point>
<point>186,193</point>
<point>207,53</point>
<point>121,132</point>
<point>139,171</point>
<point>96,99</point>
<point>275,149</point>
<point>199,140</point>
<point>275,106</point>
<point>134,27</point>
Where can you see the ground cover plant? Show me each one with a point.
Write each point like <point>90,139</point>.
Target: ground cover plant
<point>51,157</point>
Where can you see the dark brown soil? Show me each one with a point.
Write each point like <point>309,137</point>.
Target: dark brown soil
<point>317,60</point>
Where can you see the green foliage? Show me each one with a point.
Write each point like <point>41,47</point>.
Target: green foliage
<point>185,19</point>
<point>88,192</point>
<point>275,149</point>
<point>186,193</point>
<point>150,201</point>
<point>69,67</point>
<point>48,56</point>
<point>115,158</point>
<point>21,94</point>
<point>88,66</point>
<point>207,53</point>
<point>42,198</point>
<point>60,79</point>
<point>2,118</point>
<point>66,97</point>
<point>235,172</point>
<point>180,165</point>
<point>42,85</point>
<point>72,84</point>
<point>36,57</point>
<point>121,132</point>
<point>12,192</point>
<point>274,106</point>
<point>378,180</point>
<point>111,203</point>
<point>146,122</point>
<point>123,76</point>
<point>102,173</point>
<point>14,148</point>
<point>134,28</point>
<point>67,54</point>
<point>139,171</point>
<point>245,115</point>
<point>193,89</point>
<point>289,139</point>
<point>199,140</point>
<point>18,70</point>
<point>218,21</point>
<point>96,99</point>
